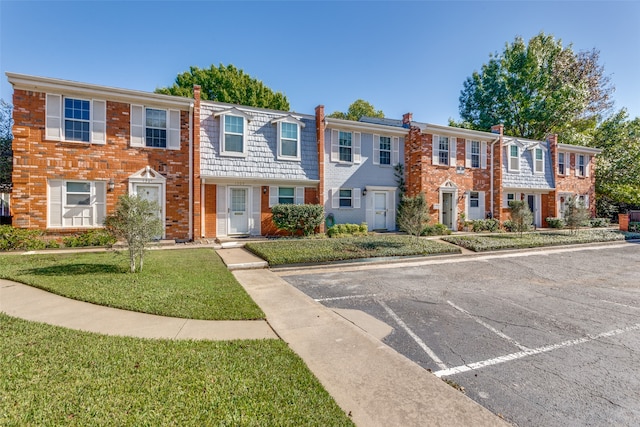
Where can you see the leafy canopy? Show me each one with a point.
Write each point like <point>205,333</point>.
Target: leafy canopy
<point>538,88</point>
<point>358,108</point>
<point>227,84</point>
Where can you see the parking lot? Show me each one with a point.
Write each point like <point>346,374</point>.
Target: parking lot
<point>541,337</point>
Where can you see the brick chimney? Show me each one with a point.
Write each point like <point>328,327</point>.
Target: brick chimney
<point>406,120</point>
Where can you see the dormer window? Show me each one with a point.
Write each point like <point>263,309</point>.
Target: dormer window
<point>288,137</point>
<point>514,158</point>
<point>233,132</point>
<point>538,160</point>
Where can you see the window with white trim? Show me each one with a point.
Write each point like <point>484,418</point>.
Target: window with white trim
<point>443,150</point>
<point>344,146</point>
<point>474,199</point>
<point>475,154</point>
<point>77,119</point>
<point>510,198</point>
<point>538,160</point>
<point>286,195</point>
<point>155,128</point>
<point>581,168</point>
<point>346,198</point>
<point>76,204</point>
<point>561,164</point>
<point>289,140</point>
<point>233,139</point>
<point>514,158</point>
<point>385,150</point>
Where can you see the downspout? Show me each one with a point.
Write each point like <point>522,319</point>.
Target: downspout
<point>493,214</point>
<point>191,171</point>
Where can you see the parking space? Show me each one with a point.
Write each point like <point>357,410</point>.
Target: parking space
<point>542,338</point>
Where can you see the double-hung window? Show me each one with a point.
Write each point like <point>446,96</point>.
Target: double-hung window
<point>561,164</point>
<point>289,140</point>
<point>514,158</point>
<point>156,128</point>
<point>474,199</point>
<point>475,154</point>
<point>77,119</point>
<point>233,139</point>
<point>346,199</point>
<point>581,165</point>
<point>345,146</point>
<point>385,150</point>
<point>538,160</point>
<point>286,195</point>
<point>511,197</point>
<point>443,150</point>
<point>76,203</point>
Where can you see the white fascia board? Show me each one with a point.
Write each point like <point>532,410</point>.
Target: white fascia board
<point>234,180</point>
<point>234,112</point>
<point>457,132</point>
<point>68,87</point>
<point>529,190</point>
<point>578,149</point>
<point>341,124</point>
<point>288,118</point>
<point>252,110</point>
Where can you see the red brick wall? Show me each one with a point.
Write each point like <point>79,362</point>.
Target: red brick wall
<point>37,159</point>
<point>579,184</point>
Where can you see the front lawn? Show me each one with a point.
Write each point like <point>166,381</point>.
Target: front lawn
<point>537,239</point>
<point>57,376</point>
<point>296,251</point>
<point>187,283</point>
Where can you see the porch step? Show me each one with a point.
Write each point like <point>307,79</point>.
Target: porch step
<point>238,258</point>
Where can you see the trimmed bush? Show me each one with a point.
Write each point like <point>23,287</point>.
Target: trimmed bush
<point>21,239</point>
<point>634,227</point>
<point>555,222</point>
<point>479,225</point>
<point>437,229</point>
<point>346,230</point>
<point>298,218</point>
<point>599,222</point>
<point>97,237</point>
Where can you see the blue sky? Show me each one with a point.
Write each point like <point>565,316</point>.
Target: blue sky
<point>400,56</point>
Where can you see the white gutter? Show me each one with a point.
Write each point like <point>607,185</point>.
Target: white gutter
<point>191,172</point>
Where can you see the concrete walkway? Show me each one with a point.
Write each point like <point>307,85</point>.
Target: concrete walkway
<point>370,381</point>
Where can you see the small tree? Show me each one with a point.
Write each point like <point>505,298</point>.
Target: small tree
<point>412,214</point>
<point>575,214</point>
<point>294,218</point>
<point>136,222</point>
<point>521,216</point>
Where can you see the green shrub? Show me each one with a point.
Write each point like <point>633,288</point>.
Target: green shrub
<point>555,222</point>
<point>20,239</point>
<point>413,214</point>
<point>634,227</point>
<point>97,237</point>
<point>298,218</point>
<point>521,216</point>
<point>436,229</point>
<point>599,222</point>
<point>479,225</point>
<point>344,230</point>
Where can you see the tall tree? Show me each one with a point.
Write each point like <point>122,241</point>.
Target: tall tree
<point>6,137</point>
<point>227,84</point>
<point>358,108</point>
<point>618,166</point>
<point>537,88</point>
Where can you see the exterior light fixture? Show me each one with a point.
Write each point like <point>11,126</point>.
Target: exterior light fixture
<point>111,185</point>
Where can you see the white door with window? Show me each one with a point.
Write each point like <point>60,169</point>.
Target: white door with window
<point>151,193</point>
<point>447,210</point>
<point>238,212</point>
<point>533,201</point>
<point>379,211</point>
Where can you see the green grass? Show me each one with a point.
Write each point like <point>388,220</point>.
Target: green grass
<point>187,283</point>
<point>56,376</point>
<point>533,240</point>
<point>296,251</point>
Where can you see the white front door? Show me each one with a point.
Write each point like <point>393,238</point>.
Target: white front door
<point>238,215</point>
<point>447,210</point>
<point>380,211</point>
<point>151,193</point>
<point>533,203</point>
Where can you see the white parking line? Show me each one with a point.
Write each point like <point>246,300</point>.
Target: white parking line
<point>531,352</point>
<point>412,334</point>
<point>489,327</point>
<point>345,297</point>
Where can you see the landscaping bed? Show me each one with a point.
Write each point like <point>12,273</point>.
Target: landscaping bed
<point>537,239</point>
<point>186,283</point>
<point>57,376</point>
<point>297,251</point>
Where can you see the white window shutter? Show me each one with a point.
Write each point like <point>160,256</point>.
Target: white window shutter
<point>481,203</point>
<point>137,126</point>
<point>299,196</point>
<point>173,140</point>
<point>279,138</point>
<point>335,198</point>
<point>221,211</point>
<point>356,198</point>
<point>391,210</point>
<point>55,202</point>
<point>467,154</point>
<point>99,122</point>
<point>256,198</point>
<point>587,165</point>
<point>273,196</point>
<point>356,147</point>
<point>586,201</point>
<point>395,151</point>
<point>222,127</point>
<point>369,211</point>
<point>435,144</point>
<point>483,155</point>
<point>376,149</point>
<point>100,189</point>
<point>245,132</point>
<point>54,117</point>
<point>452,151</point>
<point>335,146</point>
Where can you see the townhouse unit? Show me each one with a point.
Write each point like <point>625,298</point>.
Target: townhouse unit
<point>216,169</point>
